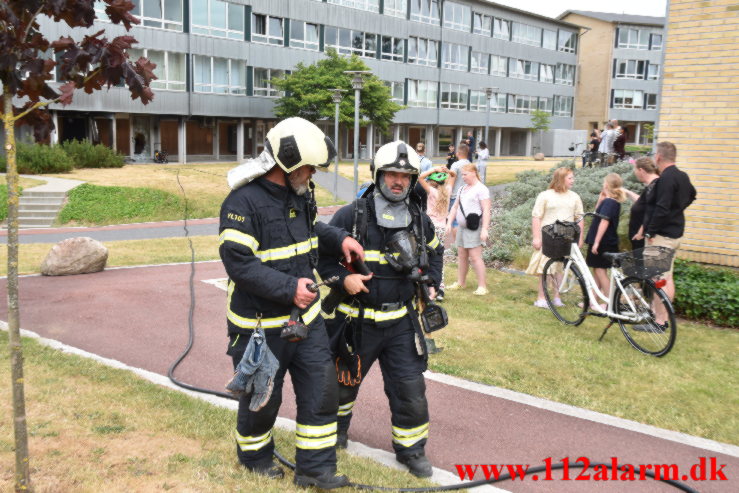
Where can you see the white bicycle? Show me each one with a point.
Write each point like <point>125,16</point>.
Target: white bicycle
<point>637,303</point>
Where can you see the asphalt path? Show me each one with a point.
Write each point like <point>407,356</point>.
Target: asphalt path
<point>139,316</point>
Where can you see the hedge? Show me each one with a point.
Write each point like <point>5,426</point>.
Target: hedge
<point>34,159</point>
<point>707,293</point>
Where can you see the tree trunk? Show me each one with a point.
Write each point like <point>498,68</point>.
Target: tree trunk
<point>22,467</point>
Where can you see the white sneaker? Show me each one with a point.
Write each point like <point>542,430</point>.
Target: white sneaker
<point>541,304</point>
<point>558,302</point>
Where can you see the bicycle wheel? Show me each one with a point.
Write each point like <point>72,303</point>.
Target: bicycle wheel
<point>646,304</point>
<point>565,292</point>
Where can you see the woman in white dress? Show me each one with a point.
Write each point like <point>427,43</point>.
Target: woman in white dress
<point>558,202</point>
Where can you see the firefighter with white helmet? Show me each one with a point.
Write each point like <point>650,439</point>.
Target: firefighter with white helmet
<point>269,241</point>
<point>378,318</point>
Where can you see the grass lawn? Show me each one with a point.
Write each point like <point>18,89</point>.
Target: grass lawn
<point>502,340</point>
<point>205,185</point>
<point>93,428</point>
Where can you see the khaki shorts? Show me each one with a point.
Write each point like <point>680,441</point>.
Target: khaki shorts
<point>665,241</point>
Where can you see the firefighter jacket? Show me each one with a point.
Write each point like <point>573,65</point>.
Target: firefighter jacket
<point>269,237</point>
<point>387,286</point>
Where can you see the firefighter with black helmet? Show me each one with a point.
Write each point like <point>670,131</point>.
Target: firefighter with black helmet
<point>378,318</point>
<point>269,242</point>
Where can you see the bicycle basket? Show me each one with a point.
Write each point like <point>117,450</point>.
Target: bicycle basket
<point>557,239</point>
<point>647,262</point>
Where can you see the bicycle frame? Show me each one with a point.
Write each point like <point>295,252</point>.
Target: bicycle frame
<point>592,288</point>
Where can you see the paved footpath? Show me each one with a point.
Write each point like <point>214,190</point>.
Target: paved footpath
<point>139,316</point>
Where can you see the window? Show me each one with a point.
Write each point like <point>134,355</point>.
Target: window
<point>652,71</point>
<point>262,82</point>
<point>633,38</point>
<point>165,14</point>
<point>650,101</point>
<point>501,29</point>
<point>457,16</point>
<point>422,93</point>
<point>546,104</point>
<point>217,18</point>
<point>567,42</point>
<point>480,63</point>
<point>304,35</point>
<point>454,56</point>
<point>267,29</point>
<point>630,69</point>
<point>219,75</point>
<point>478,102</point>
<point>426,11</point>
<point>655,41</point>
<point>528,35</point>
<point>368,5</point>
<point>170,69</point>
<point>523,69</point>
<point>347,42</point>
<point>396,8</point>
<point>546,73</point>
<point>628,99</point>
<point>499,66</point>
<point>521,104</point>
<point>549,39</point>
<point>482,24</point>
<point>423,51</point>
<point>392,49</point>
<point>563,105</point>
<point>396,90</point>
<point>453,96</point>
<point>564,74</point>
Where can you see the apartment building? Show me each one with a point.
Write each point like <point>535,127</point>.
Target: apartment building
<point>620,63</point>
<point>215,60</point>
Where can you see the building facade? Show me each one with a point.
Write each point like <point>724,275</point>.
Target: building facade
<point>215,59</point>
<point>699,113</point>
<point>620,71</point>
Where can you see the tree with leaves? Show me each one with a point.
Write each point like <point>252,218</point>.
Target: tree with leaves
<point>308,93</point>
<point>540,120</point>
<point>26,69</point>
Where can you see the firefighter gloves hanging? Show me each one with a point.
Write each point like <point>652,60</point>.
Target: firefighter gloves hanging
<point>255,373</point>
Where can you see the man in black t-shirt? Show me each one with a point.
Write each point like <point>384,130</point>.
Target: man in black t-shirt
<point>664,222</point>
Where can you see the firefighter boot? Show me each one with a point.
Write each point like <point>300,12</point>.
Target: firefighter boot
<point>417,464</point>
<point>268,469</point>
<point>325,481</point>
<point>342,439</point>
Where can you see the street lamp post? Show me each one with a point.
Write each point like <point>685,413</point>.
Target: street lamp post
<point>488,95</point>
<point>337,99</point>
<point>357,85</point>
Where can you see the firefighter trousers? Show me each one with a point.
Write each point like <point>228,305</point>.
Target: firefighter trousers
<point>313,378</point>
<point>394,344</point>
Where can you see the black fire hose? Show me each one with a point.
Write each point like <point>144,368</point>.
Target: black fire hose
<point>287,463</point>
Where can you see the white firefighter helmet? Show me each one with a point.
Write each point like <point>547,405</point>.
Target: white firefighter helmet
<point>395,156</point>
<point>295,142</point>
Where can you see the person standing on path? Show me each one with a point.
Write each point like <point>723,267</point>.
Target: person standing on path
<point>463,154</point>
<point>379,320</point>
<point>482,162</point>
<point>269,241</point>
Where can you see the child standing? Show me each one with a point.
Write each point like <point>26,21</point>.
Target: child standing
<point>602,235</point>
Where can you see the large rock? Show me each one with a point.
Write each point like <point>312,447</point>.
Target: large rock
<point>75,256</point>
<point>539,156</point>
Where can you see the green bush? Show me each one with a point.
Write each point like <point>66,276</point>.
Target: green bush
<point>637,148</point>
<point>86,155</point>
<point>511,219</point>
<point>707,293</point>
<point>93,204</point>
<point>35,159</point>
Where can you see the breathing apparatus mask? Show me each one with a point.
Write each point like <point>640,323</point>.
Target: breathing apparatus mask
<point>403,254</point>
